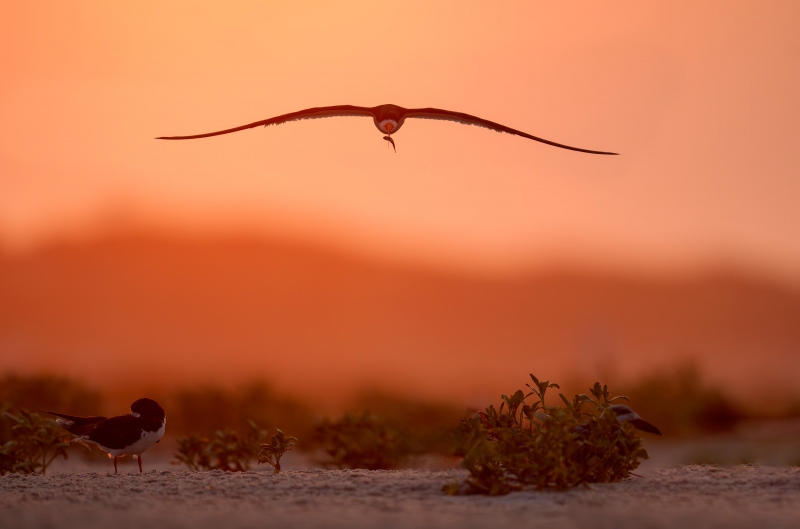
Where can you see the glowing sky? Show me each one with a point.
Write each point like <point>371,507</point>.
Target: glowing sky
<point>700,98</point>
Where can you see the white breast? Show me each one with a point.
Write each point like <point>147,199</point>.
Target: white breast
<point>146,442</point>
<point>388,125</point>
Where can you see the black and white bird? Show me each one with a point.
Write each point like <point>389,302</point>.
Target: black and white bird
<point>123,435</point>
<point>626,414</point>
<point>387,118</point>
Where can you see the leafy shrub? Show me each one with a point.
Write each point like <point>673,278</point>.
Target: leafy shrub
<point>363,441</point>
<point>29,442</point>
<point>424,426</point>
<point>224,450</point>
<point>272,452</point>
<point>546,447</point>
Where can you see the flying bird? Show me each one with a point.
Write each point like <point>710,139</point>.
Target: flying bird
<point>387,118</point>
<point>122,435</point>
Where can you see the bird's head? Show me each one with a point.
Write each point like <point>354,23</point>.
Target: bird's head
<point>147,408</point>
<point>388,119</point>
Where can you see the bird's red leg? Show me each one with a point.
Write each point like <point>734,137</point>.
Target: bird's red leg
<point>115,464</point>
<point>140,463</point>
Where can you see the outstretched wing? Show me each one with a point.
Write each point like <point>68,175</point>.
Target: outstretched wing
<point>467,119</point>
<point>309,113</point>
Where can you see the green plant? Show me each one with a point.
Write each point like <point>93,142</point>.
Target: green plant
<point>30,442</point>
<point>535,445</point>
<point>272,452</point>
<point>224,450</point>
<point>363,441</point>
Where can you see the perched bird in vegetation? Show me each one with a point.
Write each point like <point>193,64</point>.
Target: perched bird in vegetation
<point>623,413</point>
<point>626,414</point>
<point>387,118</point>
<point>123,435</point>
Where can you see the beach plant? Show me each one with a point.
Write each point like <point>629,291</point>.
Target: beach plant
<point>525,444</point>
<point>225,449</point>
<point>361,441</point>
<point>272,451</point>
<point>29,442</point>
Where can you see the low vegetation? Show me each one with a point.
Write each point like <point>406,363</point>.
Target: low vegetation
<point>390,434</point>
<point>522,443</point>
<point>530,444</point>
<point>29,442</point>
<point>361,441</point>
<point>225,449</point>
<point>272,451</point>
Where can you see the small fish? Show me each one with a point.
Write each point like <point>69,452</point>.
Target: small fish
<point>390,140</point>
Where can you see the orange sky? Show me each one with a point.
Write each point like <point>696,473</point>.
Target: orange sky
<point>700,98</point>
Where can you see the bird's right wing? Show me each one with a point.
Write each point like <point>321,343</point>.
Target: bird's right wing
<point>309,113</point>
<point>468,119</point>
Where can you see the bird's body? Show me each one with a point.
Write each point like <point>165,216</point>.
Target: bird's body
<point>131,434</point>
<point>387,118</point>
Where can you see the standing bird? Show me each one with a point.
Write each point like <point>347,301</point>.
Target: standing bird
<point>388,119</point>
<point>123,435</point>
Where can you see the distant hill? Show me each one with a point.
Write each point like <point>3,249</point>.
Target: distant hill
<point>142,311</point>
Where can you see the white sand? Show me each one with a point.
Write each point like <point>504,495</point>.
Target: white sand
<point>684,496</point>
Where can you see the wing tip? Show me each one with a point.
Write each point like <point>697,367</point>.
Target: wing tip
<point>597,152</point>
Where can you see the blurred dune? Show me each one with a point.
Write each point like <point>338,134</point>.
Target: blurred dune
<point>142,312</point>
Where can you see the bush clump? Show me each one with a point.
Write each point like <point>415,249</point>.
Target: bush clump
<point>361,441</point>
<point>230,451</point>
<point>225,449</point>
<point>534,445</point>
<point>272,451</point>
<point>29,442</point>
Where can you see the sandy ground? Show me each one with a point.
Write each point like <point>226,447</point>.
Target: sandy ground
<point>681,496</point>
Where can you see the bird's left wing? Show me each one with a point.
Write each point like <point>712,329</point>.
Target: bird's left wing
<point>467,119</point>
<point>77,425</point>
<point>645,426</point>
<point>309,113</point>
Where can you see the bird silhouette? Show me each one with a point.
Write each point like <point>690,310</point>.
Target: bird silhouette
<point>387,118</point>
<point>122,435</point>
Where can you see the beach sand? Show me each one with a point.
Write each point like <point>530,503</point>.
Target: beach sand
<point>684,496</point>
